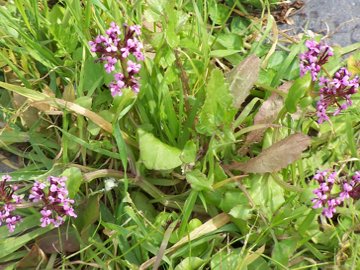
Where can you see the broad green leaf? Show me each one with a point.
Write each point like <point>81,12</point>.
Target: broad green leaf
<point>236,204</point>
<point>223,53</point>
<point>87,214</point>
<point>141,202</point>
<point>85,102</point>
<point>225,260</point>
<point>266,194</point>
<point>217,111</point>
<point>188,154</point>
<point>296,92</point>
<point>74,180</point>
<point>190,263</point>
<point>199,181</point>
<point>11,244</point>
<point>283,250</point>
<point>93,76</point>
<point>218,12</point>
<point>157,155</point>
<point>242,78</point>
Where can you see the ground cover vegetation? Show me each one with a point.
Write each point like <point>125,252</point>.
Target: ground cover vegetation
<point>175,134</point>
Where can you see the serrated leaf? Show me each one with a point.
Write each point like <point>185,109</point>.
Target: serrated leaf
<point>277,156</point>
<point>217,111</point>
<point>242,78</point>
<point>157,155</point>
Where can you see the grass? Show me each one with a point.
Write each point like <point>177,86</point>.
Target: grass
<point>159,178</point>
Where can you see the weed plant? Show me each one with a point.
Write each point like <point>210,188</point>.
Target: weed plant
<point>209,161</point>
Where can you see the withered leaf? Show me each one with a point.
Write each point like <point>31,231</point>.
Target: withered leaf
<point>50,242</point>
<point>276,157</point>
<point>31,260</point>
<point>268,113</point>
<point>242,78</point>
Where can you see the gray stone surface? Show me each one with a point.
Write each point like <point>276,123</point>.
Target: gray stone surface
<point>339,19</point>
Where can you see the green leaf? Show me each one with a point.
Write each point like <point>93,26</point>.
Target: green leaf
<point>93,76</point>
<point>157,155</point>
<point>266,194</point>
<point>190,263</point>
<point>225,260</point>
<point>296,92</point>
<point>223,53</point>
<point>218,12</point>
<point>283,250</point>
<point>11,244</point>
<point>188,154</point>
<point>88,213</point>
<point>217,110</point>
<point>141,202</point>
<point>74,180</point>
<point>198,180</point>
<point>236,204</point>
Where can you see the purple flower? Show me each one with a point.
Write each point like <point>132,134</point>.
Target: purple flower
<point>8,202</point>
<point>336,91</point>
<point>110,64</point>
<point>316,56</point>
<point>136,29</point>
<point>112,48</point>
<point>54,196</point>
<point>329,201</point>
<point>132,67</point>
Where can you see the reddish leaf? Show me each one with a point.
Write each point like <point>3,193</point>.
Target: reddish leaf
<point>276,157</point>
<point>268,113</point>
<point>33,259</point>
<point>242,78</point>
<point>49,242</point>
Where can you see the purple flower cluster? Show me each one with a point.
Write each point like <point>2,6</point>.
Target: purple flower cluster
<point>317,55</point>
<point>54,196</point>
<point>112,49</point>
<point>333,91</point>
<point>8,201</point>
<point>324,197</point>
<point>336,90</point>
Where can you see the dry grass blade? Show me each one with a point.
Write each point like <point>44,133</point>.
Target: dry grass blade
<point>208,227</point>
<point>39,97</point>
<point>163,245</point>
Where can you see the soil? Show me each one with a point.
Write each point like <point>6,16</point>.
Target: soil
<point>339,20</point>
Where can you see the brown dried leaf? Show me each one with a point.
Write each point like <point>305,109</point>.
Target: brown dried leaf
<point>33,259</point>
<point>49,242</point>
<point>28,115</point>
<point>268,113</point>
<point>276,157</point>
<point>242,78</point>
